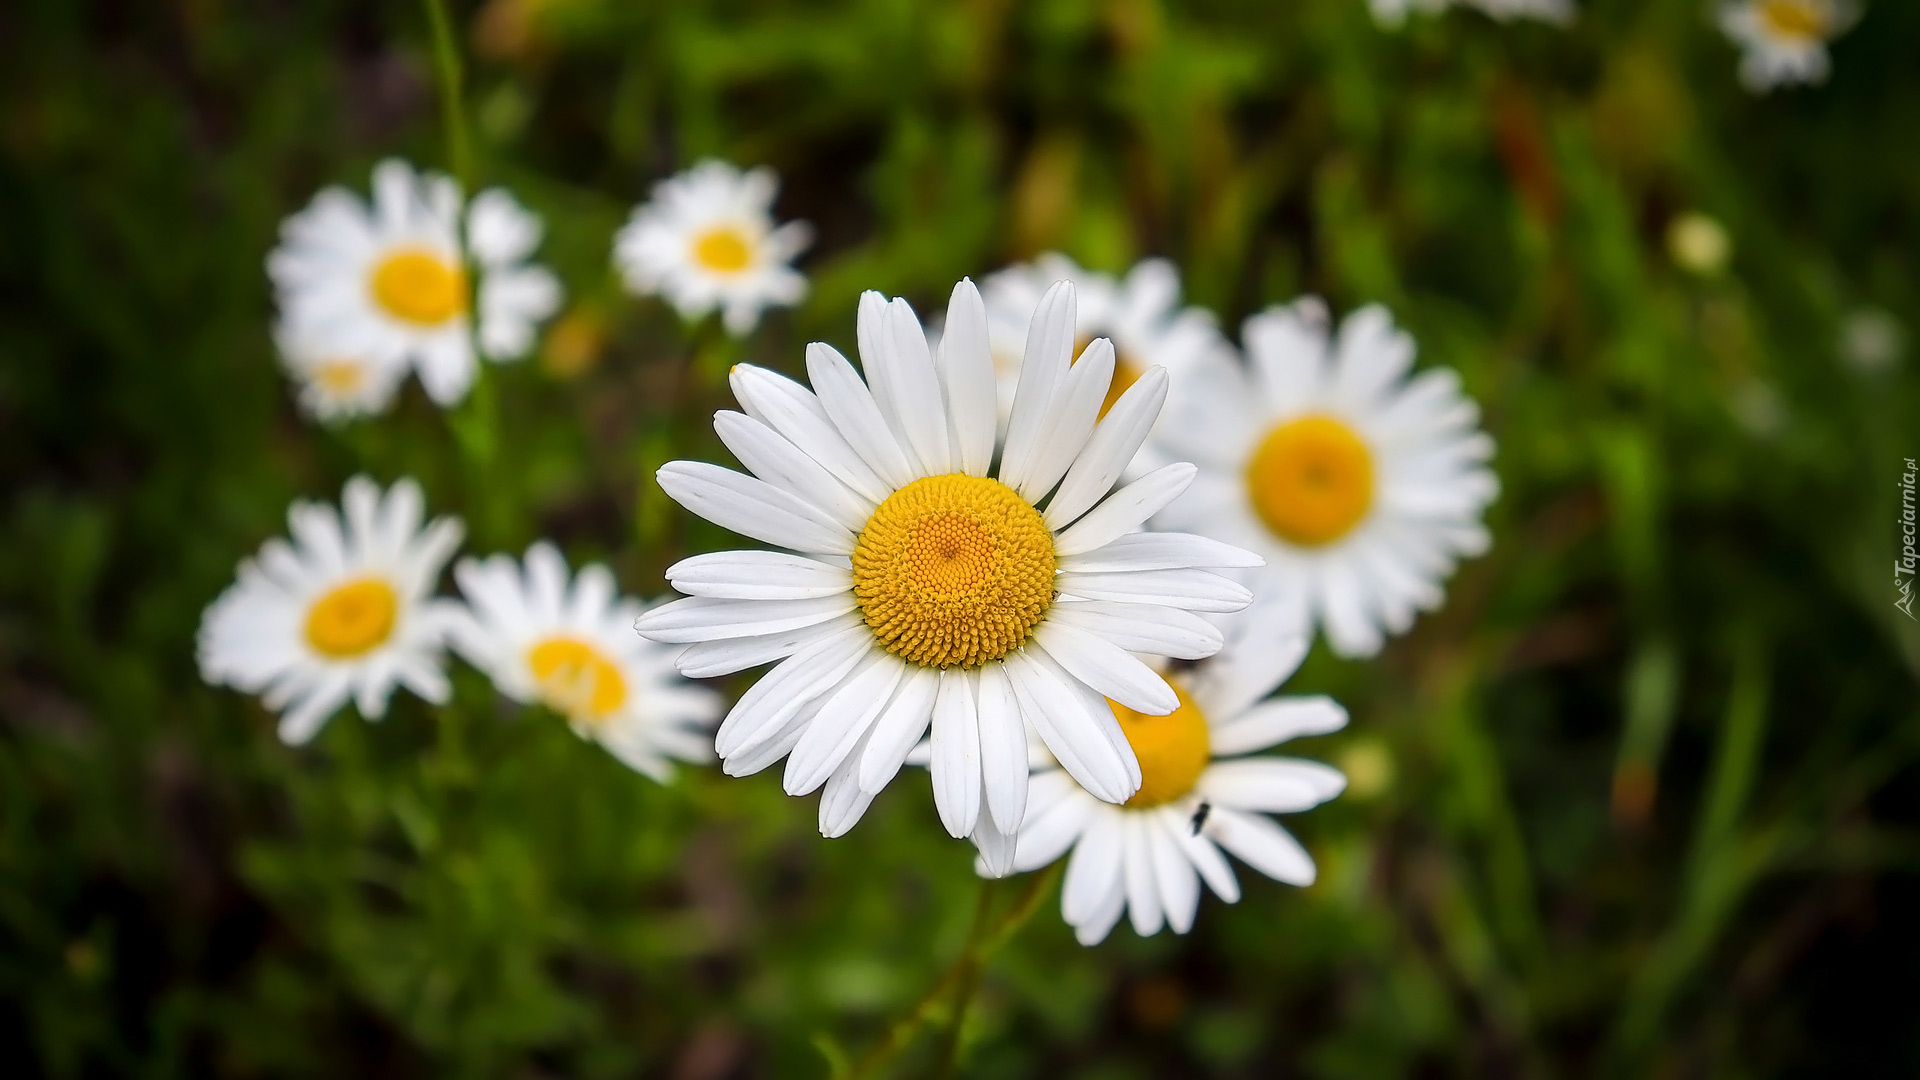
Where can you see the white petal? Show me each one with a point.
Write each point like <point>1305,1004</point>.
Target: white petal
<point>1050,337</point>
<point>782,692</point>
<point>1189,590</point>
<point>768,455</point>
<point>709,659</point>
<point>753,508</point>
<point>1003,747</point>
<point>1143,628</point>
<point>1060,814</point>
<point>793,411</point>
<point>878,364</point>
<point>996,846</point>
<point>1274,722</point>
<point>965,364</point>
<point>843,800</point>
<point>1071,733</point>
<point>1271,785</point>
<point>843,721</point>
<point>1107,668</point>
<point>1076,407</point>
<point>850,405</point>
<point>700,618</point>
<point>1269,641</point>
<point>1143,886</point>
<point>1125,509</point>
<point>1093,872</point>
<point>899,728</point>
<point>1262,845</point>
<point>1213,866</point>
<point>956,754</point>
<point>1110,450</point>
<point>1179,885</point>
<point>758,575</point>
<point>1158,551</point>
<point>916,389</point>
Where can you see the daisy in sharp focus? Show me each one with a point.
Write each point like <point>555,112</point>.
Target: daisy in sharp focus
<point>929,589</point>
<point>336,385</point>
<point>571,646</point>
<point>707,240</point>
<point>1360,486</point>
<point>1140,314</point>
<point>1784,41</point>
<point>343,613</point>
<point>388,281</point>
<point>1198,794</point>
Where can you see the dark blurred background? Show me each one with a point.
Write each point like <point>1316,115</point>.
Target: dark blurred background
<point>1641,800</point>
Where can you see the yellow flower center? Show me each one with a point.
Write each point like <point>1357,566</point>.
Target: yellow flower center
<point>1311,480</point>
<point>419,287</point>
<point>1173,750</point>
<point>723,250</point>
<point>577,679</point>
<point>1794,20</point>
<point>340,378</point>
<point>1125,374</point>
<point>953,571</point>
<point>352,619</point>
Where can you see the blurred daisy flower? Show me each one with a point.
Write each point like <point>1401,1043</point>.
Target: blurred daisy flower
<point>343,613</point>
<point>928,592</point>
<point>335,385</point>
<point>571,646</point>
<point>1394,12</point>
<point>388,280</point>
<point>707,240</point>
<point>1784,41</point>
<point>1359,486</point>
<point>1198,794</point>
<point>1140,314</point>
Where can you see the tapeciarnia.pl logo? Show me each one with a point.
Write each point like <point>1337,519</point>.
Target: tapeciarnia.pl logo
<point>1903,567</point>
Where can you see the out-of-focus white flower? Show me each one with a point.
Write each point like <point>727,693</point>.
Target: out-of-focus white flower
<point>929,591</point>
<point>1699,244</point>
<point>1198,795</point>
<point>343,613</point>
<point>1359,486</point>
<point>571,646</point>
<point>707,240</point>
<point>388,281</point>
<point>335,385</point>
<point>1784,42</point>
<point>1872,340</point>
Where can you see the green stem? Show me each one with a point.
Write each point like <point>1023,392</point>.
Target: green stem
<point>962,974</point>
<point>446,61</point>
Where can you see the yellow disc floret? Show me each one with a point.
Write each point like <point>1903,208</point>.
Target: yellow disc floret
<point>1794,20</point>
<point>1311,480</point>
<point>419,287</point>
<point>352,619</point>
<point>577,679</point>
<point>723,250</point>
<point>953,571</point>
<point>1173,750</point>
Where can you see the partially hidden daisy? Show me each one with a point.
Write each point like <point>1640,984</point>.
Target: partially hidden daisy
<point>334,384</point>
<point>1360,486</point>
<point>388,281</point>
<point>707,239</point>
<point>1784,41</point>
<point>342,613</point>
<point>1199,793</point>
<point>927,588</point>
<point>1394,12</point>
<point>570,645</point>
<point>1140,313</point>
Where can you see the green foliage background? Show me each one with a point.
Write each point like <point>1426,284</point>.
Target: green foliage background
<point>1641,800</point>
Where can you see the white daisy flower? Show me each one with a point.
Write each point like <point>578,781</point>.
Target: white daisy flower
<point>387,281</point>
<point>707,240</point>
<point>336,385</point>
<point>1360,487</point>
<point>930,589</point>
<point>571,646</point>
<point>1392,13</point>
<point>1784,41</point>
<point>1140,314</point>
<point>341,613</point>
<point>1148,856</point>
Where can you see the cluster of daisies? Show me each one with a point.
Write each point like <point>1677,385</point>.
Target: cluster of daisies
<point>1782,42</point>
<point>1058,551</point>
